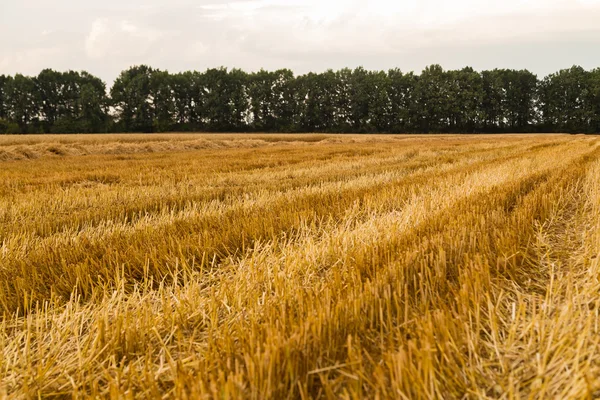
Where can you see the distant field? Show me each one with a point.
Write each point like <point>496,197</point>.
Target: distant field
<point>300,266</point>
<point>19,147</point>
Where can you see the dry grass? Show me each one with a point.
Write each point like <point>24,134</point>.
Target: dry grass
<point>300,266</point>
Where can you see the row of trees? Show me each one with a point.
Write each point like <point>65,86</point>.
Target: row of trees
<point>144,99</point>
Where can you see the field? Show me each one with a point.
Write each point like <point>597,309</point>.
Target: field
<point>300,266</point>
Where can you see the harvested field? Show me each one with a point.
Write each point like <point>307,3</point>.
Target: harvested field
<point>300,266</point>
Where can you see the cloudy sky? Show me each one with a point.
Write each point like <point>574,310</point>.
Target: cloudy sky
<point>105,37</point>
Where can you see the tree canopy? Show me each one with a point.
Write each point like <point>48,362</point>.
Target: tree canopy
<point>144,99</point>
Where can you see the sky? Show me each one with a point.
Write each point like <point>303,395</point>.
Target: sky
<point>108,36</point>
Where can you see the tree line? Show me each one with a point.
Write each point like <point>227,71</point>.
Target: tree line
<point>143,99</point>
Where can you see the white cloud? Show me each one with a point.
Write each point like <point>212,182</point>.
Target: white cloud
<point>96,45</point>
<point>107,37</point>
<point>113,37</point>
<point>128,27</point>
<point>24,59</point>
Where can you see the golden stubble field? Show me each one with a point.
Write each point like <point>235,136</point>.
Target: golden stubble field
<point>300,266</point>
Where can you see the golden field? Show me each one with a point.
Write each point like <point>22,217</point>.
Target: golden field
<point>300,266</point>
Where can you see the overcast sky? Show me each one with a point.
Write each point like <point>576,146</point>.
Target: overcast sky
<point>105,37</point>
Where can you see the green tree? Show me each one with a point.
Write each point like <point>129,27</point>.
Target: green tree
<point>237,89</point>
<point>285,107</point>
<point>593,100</point>
<point>49,85</point>
<point>132,100</point>
<point>146,100</point>
<point>432,100</point>
<point>401,94</point>
<point>70,99</point>
<point>72,102</point>
<point>359,99</point>
<point>492,104</point>
<point>263,99</point>
<point>224,100</point>
<point>465,100</point>
<point>94,103</point>
<point>272,100</point>
<point>564,101</point>
<point>187,99</point>
<point>3,107</point>
<point>379,102</point>
<point>320,102</point>
<point>520,88</point>
<point>22,102</point>
<point>162,101</point>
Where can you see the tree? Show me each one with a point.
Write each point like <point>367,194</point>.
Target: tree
<point>3,105</point>
<point>564,101</point>
<point>272,101</point>
<point>188,94</point>
<point>492,104</point>
<point>131,97</point>
<point>94,103</point>
<point>520,88</point>
<point>465,100</point>
<point>320,105</point>
<point>379,102</point>
<point>401,94</point>
<point>237,92</point>
<point>224,100</point>
<point>285,108</point>
<point>593,100</point>
<point>70,104</point>
<point>22,102</point>
<point>263,99</point>
<point>432,99</point>
<point>143,99</point>
<point>358,99</point>
<point>49,85</point>
<point>162,101</point>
